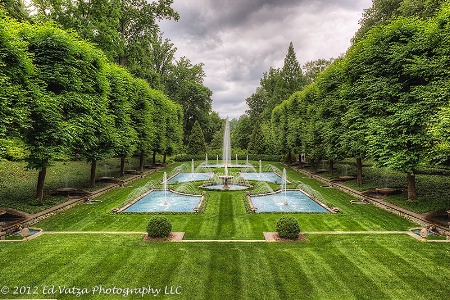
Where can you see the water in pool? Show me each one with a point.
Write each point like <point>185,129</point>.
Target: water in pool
<point>187,177</point>
<point>295,201</point>
<point>160,201</point>
<point>266,176</point>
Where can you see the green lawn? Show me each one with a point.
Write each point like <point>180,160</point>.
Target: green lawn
<point>368,266</point>
<point>225,216</point>
<point>325,267</point>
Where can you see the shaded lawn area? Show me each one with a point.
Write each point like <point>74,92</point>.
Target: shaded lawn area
<point>225,216</point>
<point>325,267</point>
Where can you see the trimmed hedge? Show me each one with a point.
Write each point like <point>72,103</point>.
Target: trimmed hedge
<point>288,227</point>
<point>159,227</point>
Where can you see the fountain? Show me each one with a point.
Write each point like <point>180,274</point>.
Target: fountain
<point>192,167</point>
<point>225,178</point>
<point>206,159</point>
<point>226,157</point>
<point>260,168</point>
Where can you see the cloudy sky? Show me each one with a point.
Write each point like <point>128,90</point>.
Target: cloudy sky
<point>239,40</point>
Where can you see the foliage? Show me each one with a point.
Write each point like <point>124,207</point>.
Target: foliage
<point>159,226</point>
<point>288,227</point>
<point>197,143</point>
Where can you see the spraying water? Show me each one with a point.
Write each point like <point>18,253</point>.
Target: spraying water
<point>206,160</point>
<point>192,166</point>
<point>226,144</point>
<point>260,168</point>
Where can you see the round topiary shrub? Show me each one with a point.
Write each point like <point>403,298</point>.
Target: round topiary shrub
<point>159,227</point>
<point>288,227</point>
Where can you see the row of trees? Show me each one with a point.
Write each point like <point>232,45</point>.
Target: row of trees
<point>61,96</point>
<point>128,33</point>
<point>386,99</point>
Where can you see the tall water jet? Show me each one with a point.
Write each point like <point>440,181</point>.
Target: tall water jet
<point>260,168</point>
<point>237,160</point>
<point>217,160</point>
<point>246,161</point>
<point>192,166</point>
<point>206,159</point>
<point>226,157</point>
<point>165,187</point>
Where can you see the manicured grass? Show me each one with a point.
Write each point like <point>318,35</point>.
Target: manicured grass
<point>394,266</point>
<point>225,216</point>
<point>325,267</point>
<point>18,184</point>
<point>433,191</point>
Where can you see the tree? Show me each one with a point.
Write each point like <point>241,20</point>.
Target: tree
<point>257,141</point>
<point>120,107</point>
<point>197,143</point>
<point>314,68</point>
<point>185,87</point>
<point>68,112</point>
<point>240,136</point>
<point>116,26</point>
<point>15,9</point>
<point>15,75</point>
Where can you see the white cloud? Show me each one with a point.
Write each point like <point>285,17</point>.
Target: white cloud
<point>239,40</point>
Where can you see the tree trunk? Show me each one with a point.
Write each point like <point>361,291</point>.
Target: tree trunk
<point>289,157</point>
<point>93,171</point>
<point>41,182</point>
<point>330,166</point>
<point>412,195</point>
<point>141,161</point>
<point>122,61</point>
<point>122,166</point>
<point>359,171</point>
<point>164,158</point>
<point>154,158</point>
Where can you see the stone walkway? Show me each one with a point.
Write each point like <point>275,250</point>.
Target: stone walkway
<point>268,236</point>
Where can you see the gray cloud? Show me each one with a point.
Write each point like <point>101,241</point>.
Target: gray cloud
<point>240,40</point>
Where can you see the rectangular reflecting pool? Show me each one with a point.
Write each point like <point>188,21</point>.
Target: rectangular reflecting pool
<point>295,201</point>
<point>160,201</point>
<point>187,177</point>
<point>266,176</point>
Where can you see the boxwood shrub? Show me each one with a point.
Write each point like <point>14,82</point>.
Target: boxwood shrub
<point>159,227</point>
<point>288,227</point>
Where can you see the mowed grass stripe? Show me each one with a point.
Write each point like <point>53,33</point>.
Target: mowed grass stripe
<point>190,275</point>
<point>348,273</point>
<point>373,264</point>
<point>419,266</point>
<point>224,272</point>
<point>226,228</point>
<point>323,274</point>
<point>258,282</point>
<point>291,280</point>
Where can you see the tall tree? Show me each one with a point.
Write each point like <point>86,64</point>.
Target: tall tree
<point>197,145</point>
<point>116,26</point>
<point>185,87</point>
